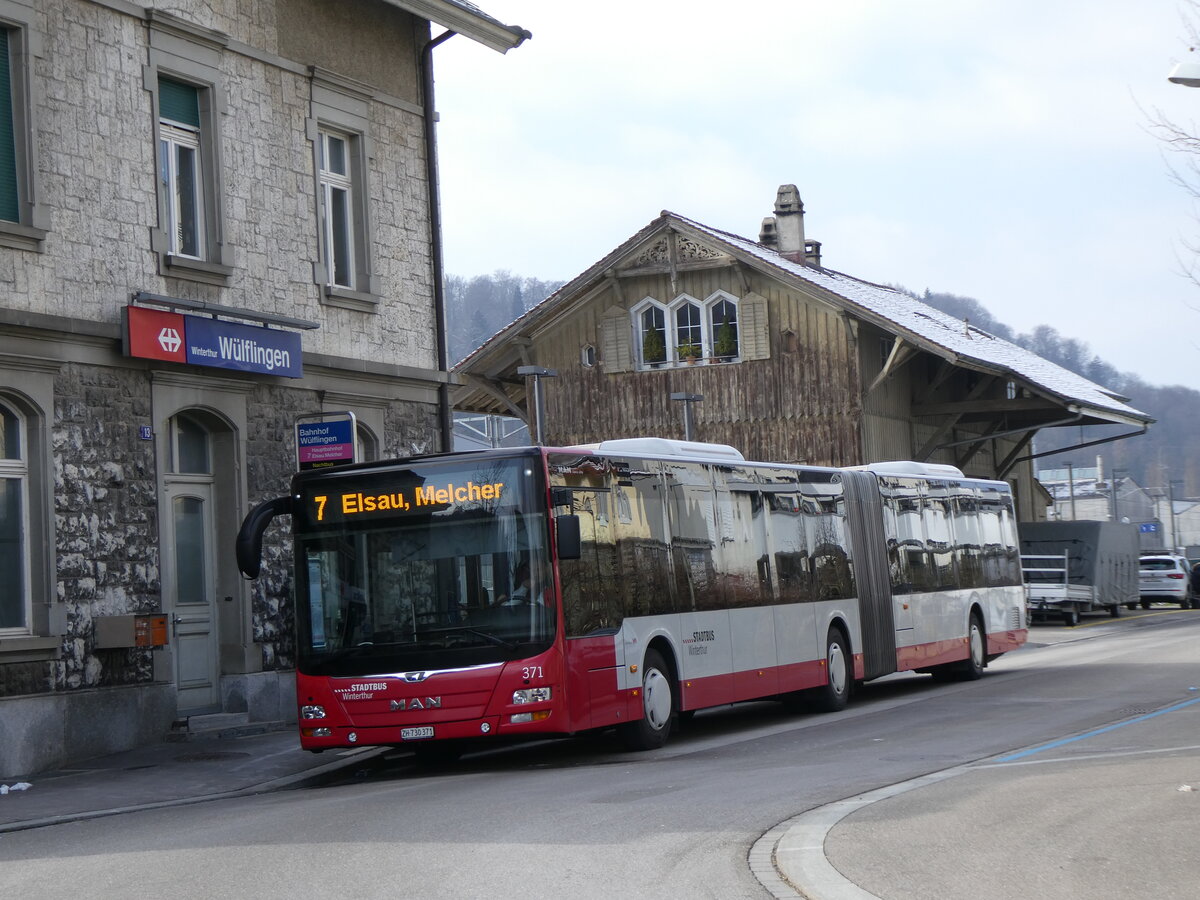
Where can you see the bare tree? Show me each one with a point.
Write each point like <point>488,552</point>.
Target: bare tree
<point>1182,142</point>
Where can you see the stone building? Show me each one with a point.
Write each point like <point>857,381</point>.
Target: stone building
<point>215,217</point>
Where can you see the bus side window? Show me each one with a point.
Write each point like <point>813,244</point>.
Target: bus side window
<point>590,592</point>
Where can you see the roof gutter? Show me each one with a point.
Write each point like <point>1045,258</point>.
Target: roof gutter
<point>467,20</point>
<point>1107,440</point>
<point>445,413</point>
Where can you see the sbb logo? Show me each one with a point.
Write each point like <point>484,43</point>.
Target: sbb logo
<point>169,340</point>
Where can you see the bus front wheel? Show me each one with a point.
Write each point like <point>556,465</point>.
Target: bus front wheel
<point>658,707</point>
<point>835,693</point>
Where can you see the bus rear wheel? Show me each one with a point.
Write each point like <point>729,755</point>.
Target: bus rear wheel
<point>835,693</point>
<point>971,668</point>
<point>658,707</point>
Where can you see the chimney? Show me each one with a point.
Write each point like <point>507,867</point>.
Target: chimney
<point>812,254</point>
<point>767,235</point>
<point>789,223</point>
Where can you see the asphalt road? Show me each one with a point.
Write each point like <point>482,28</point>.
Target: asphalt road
<point>581,818</point>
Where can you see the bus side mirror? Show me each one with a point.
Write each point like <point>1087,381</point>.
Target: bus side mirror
<point>248,547</point>
<point>567,533</point>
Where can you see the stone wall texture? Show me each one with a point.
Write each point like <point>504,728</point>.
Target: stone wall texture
<point>92,127</point>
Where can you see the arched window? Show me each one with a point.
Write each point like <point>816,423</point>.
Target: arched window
<point>723,326</point>
<point>14,494</point>
<point>689,330</point>
<point>650,331</point>
<point>368,445</point>
<point>191,451</point>
<point>587,357</point>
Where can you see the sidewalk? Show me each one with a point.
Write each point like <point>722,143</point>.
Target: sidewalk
<point>168,774</point>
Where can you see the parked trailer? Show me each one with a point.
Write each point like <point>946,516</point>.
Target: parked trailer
<point>1076,567</point>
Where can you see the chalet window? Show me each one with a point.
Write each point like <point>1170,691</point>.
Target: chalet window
<point>587,356</point>
<point>885,351</point>
<point>723,326</point>
<point>689,330</point>
<point>650,332</point>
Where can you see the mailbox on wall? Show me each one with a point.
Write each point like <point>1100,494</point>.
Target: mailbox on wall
<point>131,631</point>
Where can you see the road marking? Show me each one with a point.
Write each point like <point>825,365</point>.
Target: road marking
<point>1088,734</point>
<point>1107,754</point>
<point>1128,618</point>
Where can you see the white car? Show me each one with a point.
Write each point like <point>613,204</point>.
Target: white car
<point>1166,577</point>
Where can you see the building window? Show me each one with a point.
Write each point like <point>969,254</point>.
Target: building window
<point>14,525</point>
<point>184,81</point>
<point>23,221</point>
<point>368,444</point>
<point>339,128</point>
<point>723,325</point>
<point>10,205</point>
<point>180,175</point>
<point>336,202</point>
<point>191,453</point>
<point>885,351</point>
<point>587,357</point>
<point>650,331</point>
<point>689,330</point>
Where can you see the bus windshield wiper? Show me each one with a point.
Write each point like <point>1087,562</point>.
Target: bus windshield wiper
<point>467,629</point>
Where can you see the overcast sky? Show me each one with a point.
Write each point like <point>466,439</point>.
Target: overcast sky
<point>999,151</point>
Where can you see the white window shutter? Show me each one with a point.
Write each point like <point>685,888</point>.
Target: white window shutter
<point>755,340</point>
<point>615,347</point>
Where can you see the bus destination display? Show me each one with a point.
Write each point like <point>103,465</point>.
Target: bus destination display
<point>353,504</point>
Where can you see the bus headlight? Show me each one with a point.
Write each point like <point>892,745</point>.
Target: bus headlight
<point>312,712</point>
<point>531,695</point>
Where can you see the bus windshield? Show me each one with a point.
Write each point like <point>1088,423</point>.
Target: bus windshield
<point>429,565</point>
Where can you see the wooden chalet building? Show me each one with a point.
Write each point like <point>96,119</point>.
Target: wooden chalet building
<point>794,362</point>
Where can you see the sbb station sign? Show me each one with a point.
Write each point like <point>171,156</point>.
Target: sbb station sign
<point>203,341</point>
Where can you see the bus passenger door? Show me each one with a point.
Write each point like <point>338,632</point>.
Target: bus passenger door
<point>592,617</point>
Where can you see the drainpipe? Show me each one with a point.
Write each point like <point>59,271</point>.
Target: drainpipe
<point>445,415</point>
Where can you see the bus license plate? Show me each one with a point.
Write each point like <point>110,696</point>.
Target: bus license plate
<point>416,734</point>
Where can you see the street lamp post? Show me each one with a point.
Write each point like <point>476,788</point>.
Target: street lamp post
<point>687,400</point>
<point>1114,478</point>
<point>539,407</point>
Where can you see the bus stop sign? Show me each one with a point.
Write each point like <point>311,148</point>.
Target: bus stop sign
<point>325,440</point>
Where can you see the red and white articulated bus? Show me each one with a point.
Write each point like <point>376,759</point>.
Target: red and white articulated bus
<point>532,591</point>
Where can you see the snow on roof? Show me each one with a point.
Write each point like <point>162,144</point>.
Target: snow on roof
<point>895,310</point>
<point>925,323</point>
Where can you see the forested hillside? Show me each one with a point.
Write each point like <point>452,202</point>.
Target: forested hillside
<point>480,306</point>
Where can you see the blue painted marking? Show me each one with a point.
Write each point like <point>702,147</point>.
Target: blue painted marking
<point>1104,730</point>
